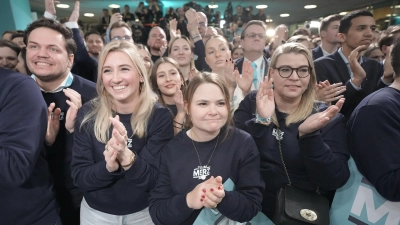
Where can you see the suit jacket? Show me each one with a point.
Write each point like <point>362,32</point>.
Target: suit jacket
<point>334,69</point>
<point>317,53</point>
<point>239,65</point>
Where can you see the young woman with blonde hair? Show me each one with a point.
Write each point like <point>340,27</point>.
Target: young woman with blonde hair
<point>117,140</point>
<point>301,141</point>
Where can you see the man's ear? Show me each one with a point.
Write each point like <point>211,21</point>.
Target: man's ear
<point>322,34</point>
<point>341,37</point>
<point>70,60</point>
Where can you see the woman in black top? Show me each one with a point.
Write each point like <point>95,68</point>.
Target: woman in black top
<point>312,135</point>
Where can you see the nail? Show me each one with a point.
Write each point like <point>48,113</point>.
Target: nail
<point>211,189</point>
<point>220,187</point>
<point>203,196</point>
<point>204,190</point>
<point>226,60</point>
<point>201,200</point>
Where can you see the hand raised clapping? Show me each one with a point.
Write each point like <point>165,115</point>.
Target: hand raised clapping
<point>265,99</point>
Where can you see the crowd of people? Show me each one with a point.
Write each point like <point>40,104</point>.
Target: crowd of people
<point>146,129</point>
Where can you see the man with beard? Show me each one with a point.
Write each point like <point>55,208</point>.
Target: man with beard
<point>95,43</point>
<point>9,54</point>
<point>50,55</point>
<point>157,43</point>
<point>328,32</point>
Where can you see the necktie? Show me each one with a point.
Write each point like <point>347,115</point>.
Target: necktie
<point>255,75</point>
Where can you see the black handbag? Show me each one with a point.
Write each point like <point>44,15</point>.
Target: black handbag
<point>295,206</point>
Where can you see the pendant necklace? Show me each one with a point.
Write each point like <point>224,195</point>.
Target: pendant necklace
<point>201,172</point>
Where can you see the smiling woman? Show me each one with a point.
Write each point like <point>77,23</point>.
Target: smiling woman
<point>118,139</point>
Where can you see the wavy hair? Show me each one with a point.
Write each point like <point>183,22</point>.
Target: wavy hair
<point>103,104</point>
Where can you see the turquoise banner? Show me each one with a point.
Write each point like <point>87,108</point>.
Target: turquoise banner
<point>214,217</point>
<point>358,202</point>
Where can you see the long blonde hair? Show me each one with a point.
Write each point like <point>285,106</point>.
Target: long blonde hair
<point>308,98</point>
<point>103,104</point>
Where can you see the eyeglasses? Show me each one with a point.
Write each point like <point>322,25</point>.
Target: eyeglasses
<point>286,71</point>
<point>253,35</point>
<point>123,38</point>
<point>202,24</point>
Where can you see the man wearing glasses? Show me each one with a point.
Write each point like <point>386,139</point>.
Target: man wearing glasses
<point>253,40</point>
<point>120,31</point>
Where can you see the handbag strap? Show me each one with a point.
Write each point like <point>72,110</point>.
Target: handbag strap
<point>283,162</point>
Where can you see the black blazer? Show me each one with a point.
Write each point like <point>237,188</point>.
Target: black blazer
<point>317,53</point>
<point>239,65</point>
<point>334,69</point>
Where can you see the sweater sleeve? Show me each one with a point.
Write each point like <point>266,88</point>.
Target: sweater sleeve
<point>245,118</point>
<point>21,135</point>
<point>373,140</point>
<point>144,171</point>
<point>325,154</point>
<point>88,174</point>
<point>244,202</point>
<point>200,51</point>
<point>166,207</point>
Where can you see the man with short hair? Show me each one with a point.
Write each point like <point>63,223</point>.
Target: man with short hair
<point>105,20</point>
<point>239,17</point>
<point>328,31</point>
<point>203,23</point>
<point>389,37</point>
<point>236,41</point>
<point>94,42</point>
<point>49,56</point>
<point>210,31</point>
<point>156,41</point>
<point>121,31</point>
<point>9,54</point>
<point>373,134</point>
<point>18,38</point>
<point>7,35</point>
<point>26,187</point>
<point>360,75</point>
<point>253,41</point>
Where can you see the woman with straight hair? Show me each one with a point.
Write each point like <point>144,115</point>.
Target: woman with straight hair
<point>195,164</point>
<point>168,83</point>
<point>218,57</point>
<point>302,142</point>
<point>146,57</point>
<point>117,141</point>
<point>181,50</point>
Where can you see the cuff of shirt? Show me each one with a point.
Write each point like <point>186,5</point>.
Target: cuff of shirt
<point>49,16</point>
<point>72,25</point>
<point>355,87</point>
<point>385,82</point>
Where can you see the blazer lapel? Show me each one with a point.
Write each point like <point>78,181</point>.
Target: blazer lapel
<point>341,67</point>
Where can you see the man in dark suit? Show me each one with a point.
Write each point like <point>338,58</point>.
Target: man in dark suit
<point>328,31</point>
<point>360,75</point>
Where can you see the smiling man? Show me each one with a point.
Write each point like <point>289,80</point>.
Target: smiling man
<point>361,75</point>
<point>157,39</point>
<point>49,55</point>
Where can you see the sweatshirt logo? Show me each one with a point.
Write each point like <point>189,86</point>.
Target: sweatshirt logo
<point>61,117</point>
<point>129,143</point>
<point>278,134</point>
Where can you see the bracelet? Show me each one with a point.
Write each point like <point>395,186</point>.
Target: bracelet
<point>178,127</point>
<point>178,123</point>
<point>263,121</point>
<point>196,36</point>
<point>133,159</point>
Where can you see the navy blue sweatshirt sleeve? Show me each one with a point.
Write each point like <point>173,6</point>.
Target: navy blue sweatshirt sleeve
<point>144,172</point>
<point>325,154</point>
<point>84,65</point>
<point>200,51</point>
<point>373,140</point>
<point>244,202</point>
<point>20,135</point>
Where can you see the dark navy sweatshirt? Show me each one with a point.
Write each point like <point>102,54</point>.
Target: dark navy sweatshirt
<point>314,160</point>
<point>373,135</point>
<point>236,158</point>
<point>59,154</point>
<point>120,192</point>
<point>26,190</point>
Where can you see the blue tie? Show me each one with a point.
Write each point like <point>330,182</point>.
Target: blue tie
<point>255,75</point>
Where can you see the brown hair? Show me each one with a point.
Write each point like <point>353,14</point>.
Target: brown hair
<point>325,22</point>
<point>190,44</point>
<point>252,22</point>
<point>207,78</point>
<point>118,25</point>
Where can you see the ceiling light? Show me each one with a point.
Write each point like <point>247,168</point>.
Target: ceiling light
<point>343,13</point>
<point>88,14</point>
<point>284,15</point>
<point>268,20</point>
<point>113,6</point>
<point>389,15</point>
<point>212,6</point>
<point>270,32</point>
<point>397,7</point>
<point>310,6</point>
<point>63,6</point>
<point>261,6</point>
<point>387,21</point>
<point>315,24</point>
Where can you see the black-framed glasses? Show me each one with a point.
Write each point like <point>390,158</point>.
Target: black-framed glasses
<point>287,71</point>
<point>123,38</point>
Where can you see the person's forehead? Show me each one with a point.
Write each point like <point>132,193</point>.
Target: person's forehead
<point>157,31</point>
<point>362,20</point>
<point>6,51</point>
<point>120,30</point>
<point>94,36</point>
<point>255,29</point>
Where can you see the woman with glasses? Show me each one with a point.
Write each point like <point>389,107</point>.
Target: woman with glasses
<point>290,126</point>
